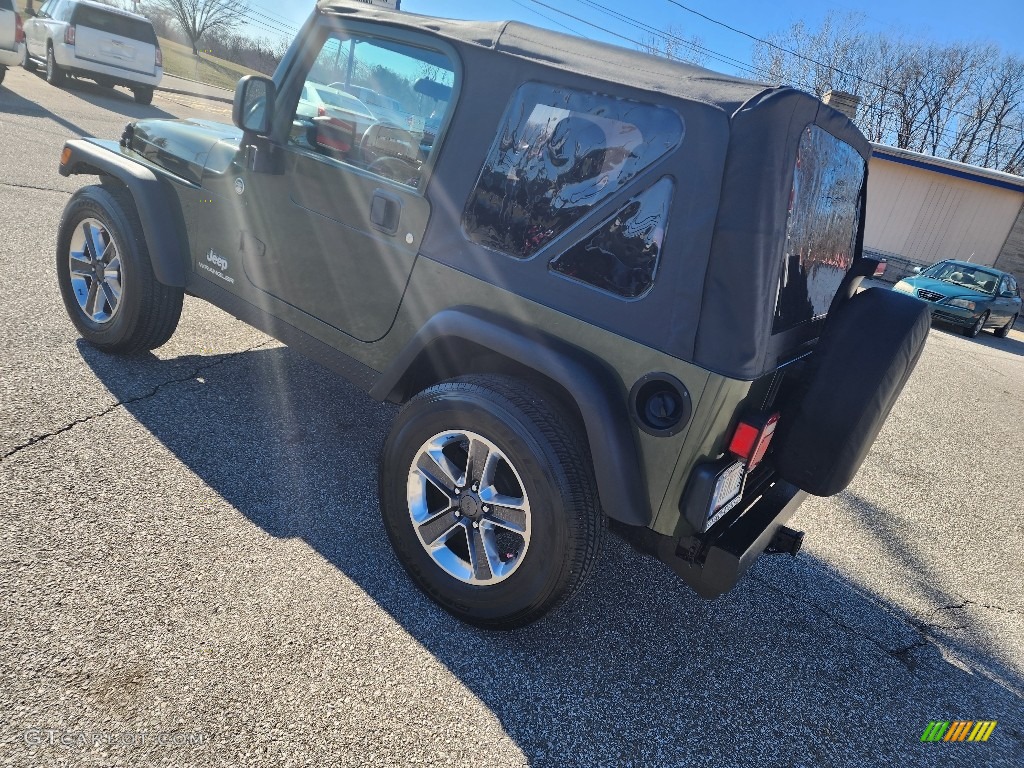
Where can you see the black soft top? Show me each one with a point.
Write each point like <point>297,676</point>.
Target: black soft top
<point>714,300</point>
<point>575,54</point>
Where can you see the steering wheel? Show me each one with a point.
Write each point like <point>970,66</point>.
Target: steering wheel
<point>397,169</point>
<point>386,141</point>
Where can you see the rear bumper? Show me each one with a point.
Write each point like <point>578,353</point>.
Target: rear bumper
<point>712,564</point>
<point>11,58</point>
<point>68,60</point>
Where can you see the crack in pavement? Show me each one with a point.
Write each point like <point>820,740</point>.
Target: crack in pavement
<point>902,654</point>
<point>31,186</point>
<point>964,603</point>
<point>120,403</point>
<point>835,619</point>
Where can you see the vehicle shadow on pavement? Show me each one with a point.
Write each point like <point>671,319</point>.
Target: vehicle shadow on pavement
<point>1012,344</point>
<point>15,104</point>
<point>116,101</point>
<point>797,666</point>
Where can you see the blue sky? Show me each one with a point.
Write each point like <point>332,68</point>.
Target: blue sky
<point>998,21</point>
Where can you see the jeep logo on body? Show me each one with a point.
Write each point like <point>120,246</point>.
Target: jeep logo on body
<point>218,261</point>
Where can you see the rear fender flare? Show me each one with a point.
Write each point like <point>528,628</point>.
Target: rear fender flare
<point>159,211</point>
<point>602,406</point>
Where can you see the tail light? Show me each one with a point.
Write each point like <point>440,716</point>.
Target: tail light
<point>19,30</point>
<point>752,437</point>
<point>69,34</point>
<point>159,57</point>
<point>880,269</point>
<point>321,111</point>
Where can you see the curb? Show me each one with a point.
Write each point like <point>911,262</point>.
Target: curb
<point>222,99</point>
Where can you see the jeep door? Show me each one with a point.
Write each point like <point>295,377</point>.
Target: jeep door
<point>343,212</point>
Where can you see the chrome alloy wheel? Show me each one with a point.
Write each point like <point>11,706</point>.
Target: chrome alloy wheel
<point>469,507</point>
<point>95,266</point>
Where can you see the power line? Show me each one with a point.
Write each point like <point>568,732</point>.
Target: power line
<point>885,88</point>
<point>921,123</point>
<point>548,18</point>
<point>636,24</point>
<point>278,17</point>
<point>668,36</point>
<point>637,43</point>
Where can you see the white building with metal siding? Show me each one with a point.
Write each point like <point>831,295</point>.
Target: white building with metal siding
<point>923,209</point>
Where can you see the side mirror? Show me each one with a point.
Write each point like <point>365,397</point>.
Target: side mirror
<point>253,109</point>
<point>1008,295</point>
<point>916,270</point>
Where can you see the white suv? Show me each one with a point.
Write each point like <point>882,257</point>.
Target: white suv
<point>94,41</point>
<point>11,37</point>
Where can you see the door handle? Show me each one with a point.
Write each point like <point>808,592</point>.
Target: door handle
<point>385,211</point>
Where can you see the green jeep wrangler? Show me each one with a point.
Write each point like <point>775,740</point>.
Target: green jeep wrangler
<point>603,285</point>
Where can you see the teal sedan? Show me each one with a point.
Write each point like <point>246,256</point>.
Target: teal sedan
<point>967,295</point>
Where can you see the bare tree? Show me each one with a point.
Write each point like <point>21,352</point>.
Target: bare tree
<point>673,45</point>
<point>200,17</point>
<point>961,101</point>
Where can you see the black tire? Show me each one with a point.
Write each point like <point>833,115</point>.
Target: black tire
<point>54,74</point>
<point>26,61</point>
<point>147,311</point>
<point>143,95</point>
<point>556,474</point>
<point>1003,332</point>
<point>978,327</point>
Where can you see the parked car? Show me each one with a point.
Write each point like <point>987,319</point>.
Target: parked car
<point>619,287</point>
<point>967,295</point>
<point>89,40</point>
<point>341,120</point>
<point>12,37</point>
<point>384,108</point>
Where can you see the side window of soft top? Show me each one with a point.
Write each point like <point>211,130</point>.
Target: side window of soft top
<point>560,153</point>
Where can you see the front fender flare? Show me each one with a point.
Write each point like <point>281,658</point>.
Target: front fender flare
<point>159,212</point>
<point>592,386</point>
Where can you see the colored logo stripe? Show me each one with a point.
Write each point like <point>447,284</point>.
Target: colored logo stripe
<point>982,730</point>
<point>959,730</point>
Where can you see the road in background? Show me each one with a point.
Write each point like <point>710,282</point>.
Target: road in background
<point>192,546</point>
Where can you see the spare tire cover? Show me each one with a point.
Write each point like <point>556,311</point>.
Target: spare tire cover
<point>866,353</point>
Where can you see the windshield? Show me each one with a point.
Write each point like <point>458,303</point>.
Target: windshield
<point>964,275</point>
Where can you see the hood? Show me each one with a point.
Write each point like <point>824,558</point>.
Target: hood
<point>947,290</point>
<point>181,146</point>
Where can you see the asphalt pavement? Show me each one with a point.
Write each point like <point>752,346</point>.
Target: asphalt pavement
<point>193,569</point>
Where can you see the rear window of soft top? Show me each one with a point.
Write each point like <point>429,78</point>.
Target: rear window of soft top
<point>114,23</point>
